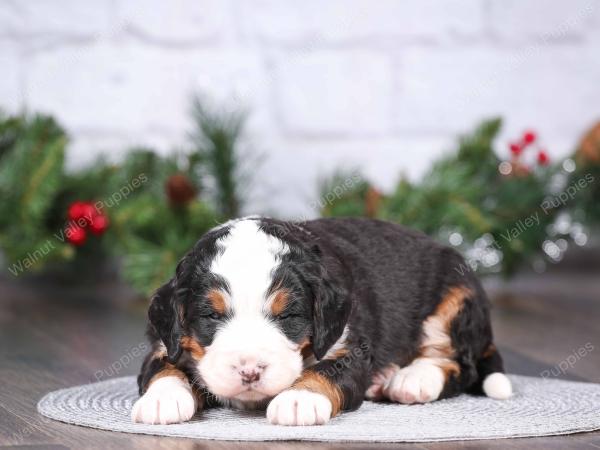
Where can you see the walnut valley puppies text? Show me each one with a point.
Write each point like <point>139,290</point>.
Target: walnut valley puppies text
<point>567,194</point>
<point>100,206</point>
<point>534,219</point>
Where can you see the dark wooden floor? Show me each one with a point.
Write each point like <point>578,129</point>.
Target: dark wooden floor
<point>52,337</point>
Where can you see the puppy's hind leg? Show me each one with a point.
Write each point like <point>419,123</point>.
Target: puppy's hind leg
<point>456,355</point>
<point>435,371</point>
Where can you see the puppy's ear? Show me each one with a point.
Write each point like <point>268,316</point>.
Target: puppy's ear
<point>330,313</point>
<point>165,320</point>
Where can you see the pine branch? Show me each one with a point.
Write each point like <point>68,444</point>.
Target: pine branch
<point>31,173</point>
<point>216,142</point>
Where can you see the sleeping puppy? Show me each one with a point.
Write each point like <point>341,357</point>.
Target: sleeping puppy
<point>309,319</point>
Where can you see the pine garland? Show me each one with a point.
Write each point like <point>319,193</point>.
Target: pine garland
<point>154,205</point>
<point>31,174</point>
<point>158,206</point>
<point>497,220</point>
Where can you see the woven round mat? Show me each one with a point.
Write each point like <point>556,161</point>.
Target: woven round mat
<point>538,408</point>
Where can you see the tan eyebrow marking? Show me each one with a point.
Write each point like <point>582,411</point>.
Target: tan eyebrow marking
<point>192,346</point>
<point>217,300</point>
<point>280,301</point>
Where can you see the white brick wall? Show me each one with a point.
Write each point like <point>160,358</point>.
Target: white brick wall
<point>384,86</point>
<point>357,86</point>
<point>10,80</point>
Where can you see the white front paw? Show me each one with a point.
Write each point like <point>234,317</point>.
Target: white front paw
<point>299,407</point>
<point>168,400</point>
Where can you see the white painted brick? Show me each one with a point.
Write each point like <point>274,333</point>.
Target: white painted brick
<point>84,147</point>
<point>384,86</point>
<point>553,88</point>
<point>132,87</point>
<point>593,31</point>
<point>181,21</point>
<point>309,23</point>
<point>334,92</point>
<point>35,18</point>
<point>295,166</point>
<point>10,87</point>
<point>519,20</point>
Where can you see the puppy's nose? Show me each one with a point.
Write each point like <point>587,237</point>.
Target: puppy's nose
<point>250,375</point>
<point>250,370</point>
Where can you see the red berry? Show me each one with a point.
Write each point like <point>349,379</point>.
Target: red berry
<point>516,149</point>
<point>75,234</point>
<point>529,137</point>
<point>89,212</point>
<point>76,210</point>
<point>82,213</point>
<point>99,224</point>
<point>543,158</point>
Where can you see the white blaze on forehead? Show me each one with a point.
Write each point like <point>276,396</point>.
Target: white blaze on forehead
<point>247,264</point>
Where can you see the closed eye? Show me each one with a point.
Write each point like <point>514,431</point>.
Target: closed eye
<point>285,316</point>
<point>213,316</point>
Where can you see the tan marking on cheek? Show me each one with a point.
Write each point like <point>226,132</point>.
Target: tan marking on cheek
<point>280,301</point>
<point>217,300</point>
<point>436,343</point>
<point>305,348</point>
<point>193,347</point>
<point>315,382</point>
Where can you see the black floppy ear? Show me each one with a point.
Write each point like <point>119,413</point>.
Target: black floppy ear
<point>330,313</point>
<point>165,321</point>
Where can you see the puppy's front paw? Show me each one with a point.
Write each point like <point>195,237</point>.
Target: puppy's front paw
<point>299,407</point>
<point>416,383</point>
<point>168,400</point>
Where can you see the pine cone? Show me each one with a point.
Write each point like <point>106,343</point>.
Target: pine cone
<point>180,190</point>
<point>589,148</point>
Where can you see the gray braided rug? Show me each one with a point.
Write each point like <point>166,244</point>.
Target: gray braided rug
<point>538,408</point>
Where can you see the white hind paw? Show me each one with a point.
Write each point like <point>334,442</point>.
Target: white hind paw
<point>416,383</point>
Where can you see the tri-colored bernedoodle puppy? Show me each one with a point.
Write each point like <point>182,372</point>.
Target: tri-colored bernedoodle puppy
<point>309,319</point>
